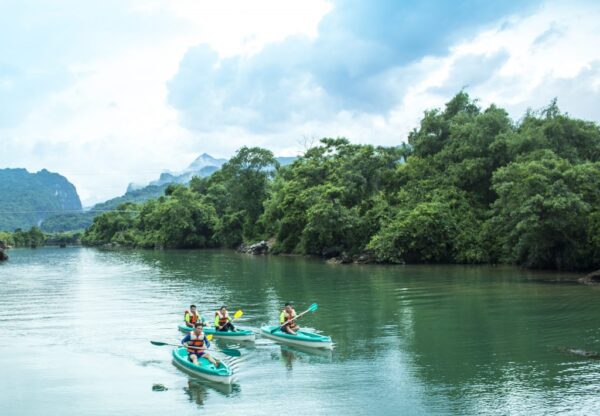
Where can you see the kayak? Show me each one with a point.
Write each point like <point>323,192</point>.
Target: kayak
<point>237,335</point>
<point>204,368</point>
<point>302,338</point>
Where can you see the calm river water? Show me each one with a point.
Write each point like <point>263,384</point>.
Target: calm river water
<point>76,325</point>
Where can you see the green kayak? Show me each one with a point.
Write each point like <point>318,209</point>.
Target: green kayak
<point>204,369</point>
<point>302,338</point>
<point>238,335</point>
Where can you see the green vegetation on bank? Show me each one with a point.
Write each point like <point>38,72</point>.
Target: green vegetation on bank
<point>220,210</point>
<point>34,237</point>
<point>82,220</point>
<point>471,186</point>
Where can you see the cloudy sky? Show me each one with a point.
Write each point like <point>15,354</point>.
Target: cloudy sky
<point>116,91</point>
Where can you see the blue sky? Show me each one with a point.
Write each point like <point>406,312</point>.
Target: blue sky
<point>114,92</point>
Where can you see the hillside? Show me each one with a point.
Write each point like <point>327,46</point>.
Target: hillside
<point>27,199</point>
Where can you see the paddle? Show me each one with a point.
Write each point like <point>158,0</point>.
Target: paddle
<point>236,315</point>
<point>227,351</point>
<point>311,308</point>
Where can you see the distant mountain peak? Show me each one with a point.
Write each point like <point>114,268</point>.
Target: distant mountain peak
<point>203,161</point>
<point>203,166</point>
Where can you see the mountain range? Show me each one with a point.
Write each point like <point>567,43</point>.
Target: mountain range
<point>204,165</point>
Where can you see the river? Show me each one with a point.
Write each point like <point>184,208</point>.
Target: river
<point>76,325</point>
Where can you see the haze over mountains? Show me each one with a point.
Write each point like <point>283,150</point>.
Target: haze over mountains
<point>50,201</point>
<point>204,165</point>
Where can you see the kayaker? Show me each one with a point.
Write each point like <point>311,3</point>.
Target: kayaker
<point>223,321</point>
<point>286,319</point>
<point>197,344</point>
<point>191,317</point>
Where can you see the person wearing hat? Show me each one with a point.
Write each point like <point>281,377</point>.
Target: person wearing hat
<point>223,321</point>
<point>286,319</point>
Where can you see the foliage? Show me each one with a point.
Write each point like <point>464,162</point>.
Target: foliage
<point>238,192</point>
<point>180,219</point>
<point>32,238</point>
<point>546,212</point>
<point>321,203</point>
<point>82,220</point>
<point>470,186</point>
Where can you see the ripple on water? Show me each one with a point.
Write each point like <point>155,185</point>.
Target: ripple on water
<point>408,340</point>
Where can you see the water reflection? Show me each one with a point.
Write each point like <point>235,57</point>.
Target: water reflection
<point>291,354</point>
<point>199,391</point>
<point>288,358</point>
<point>430,339</point>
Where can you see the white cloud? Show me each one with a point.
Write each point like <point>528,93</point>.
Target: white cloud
<point>111,124</point>
<point>530,64</point>
<point>506,64</point>
<point>566,64</point>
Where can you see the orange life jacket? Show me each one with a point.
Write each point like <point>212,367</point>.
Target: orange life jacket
<point>193,317</point>
<point>291,325</point>
<point>223,319</point>
<point>195,341</point>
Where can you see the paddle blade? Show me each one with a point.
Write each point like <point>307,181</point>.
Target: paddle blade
<point>313,307</point>
<point>160,344</point>
<point>209,337</point>
<point>231,352</point>
<point>238,314</point>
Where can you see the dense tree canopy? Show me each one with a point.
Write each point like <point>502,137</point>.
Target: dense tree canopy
<point>470,186</point>
<point>33,238</point>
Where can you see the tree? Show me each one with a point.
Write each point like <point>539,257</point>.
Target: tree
<point>543,210</point>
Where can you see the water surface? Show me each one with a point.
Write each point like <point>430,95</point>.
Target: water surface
<point>75,326</point>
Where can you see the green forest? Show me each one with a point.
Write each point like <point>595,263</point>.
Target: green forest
<point>71,222</point>
<point>34,237</point>
<point>470,186</point>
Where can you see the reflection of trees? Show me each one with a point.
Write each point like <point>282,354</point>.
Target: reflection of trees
<point>354,301</point>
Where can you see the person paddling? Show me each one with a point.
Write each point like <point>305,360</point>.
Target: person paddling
<point>286,319</point>
<point>197,344</point>
<point>222,320</point>
<point>191,317</point>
